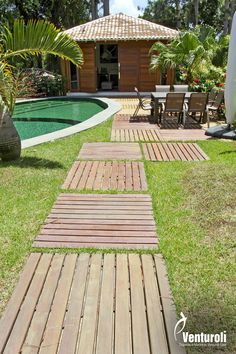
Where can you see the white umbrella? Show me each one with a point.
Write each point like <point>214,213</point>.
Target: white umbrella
<point>230,84</point>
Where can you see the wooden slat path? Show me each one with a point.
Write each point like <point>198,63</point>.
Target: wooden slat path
<point>104,175</point>
<point>100,221</point>
<point>110,151</point>
<point>135,135</point>
<point>173,152</point>
<point>90,304</point>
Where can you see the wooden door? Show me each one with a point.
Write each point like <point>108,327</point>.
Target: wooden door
<point>87,73</point>
<point>128,56</point>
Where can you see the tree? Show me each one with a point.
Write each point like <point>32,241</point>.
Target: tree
<point>34,38</point>
<point>167,13</point>
<point>188,51</point>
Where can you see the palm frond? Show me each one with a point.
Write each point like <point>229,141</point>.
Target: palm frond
<point>39,37</point>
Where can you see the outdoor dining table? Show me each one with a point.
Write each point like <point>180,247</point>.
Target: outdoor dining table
<point>158,98</point>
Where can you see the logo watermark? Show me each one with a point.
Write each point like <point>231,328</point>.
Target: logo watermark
<point>197,339</point>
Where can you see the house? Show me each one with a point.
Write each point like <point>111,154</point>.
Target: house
<point>116,54</point>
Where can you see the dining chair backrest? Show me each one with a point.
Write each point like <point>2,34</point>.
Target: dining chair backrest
<point>139,96</point>
<point>174,102</point>
<point>212,95</point>
<point>218,99</point>
<point>180,88</point>
<point>162,88</point>
<point>198,102</point>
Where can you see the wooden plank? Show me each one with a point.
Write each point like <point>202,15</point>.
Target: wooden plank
<point>85,175</point>
<point>60,221</point>
<point>105,332</point>
<point>136,177</point>
<point>198,149</point>
<point>90,315</point>
<point>72,321</point>
<point>71,174</point>
<point>91,196</point>
<point>96,226</point>
<point>25,315</point>
<point>75,181</point>
<point>156,324</point>
<point>123,340</point>
<point>168,305</point>
<point>8,319</point>
<point>59,244</point>
<point>114,176</point>
<point>139,320</point>
<point>106,178</point>
<point>121,176</point>
<point>142,176</point>
<point>55,321</point>
<point>129,184</point>
<point>157,152</point>
<point>38,323</point>
<point>92,176</point>
<point>99,176</point>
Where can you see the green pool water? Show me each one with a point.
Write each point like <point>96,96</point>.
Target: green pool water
<point>40,117</point>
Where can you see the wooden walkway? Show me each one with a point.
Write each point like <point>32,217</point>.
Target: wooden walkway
<point>110,151</point>
<point>90,304</point>
<point>99,175</point>
<point>173,152</point>
<point>125,129</point>
<point>100,221</point>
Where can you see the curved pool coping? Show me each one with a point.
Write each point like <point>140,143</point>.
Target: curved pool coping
<point>112,108</point>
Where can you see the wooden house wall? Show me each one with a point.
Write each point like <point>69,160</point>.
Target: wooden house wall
<point>134,61</point>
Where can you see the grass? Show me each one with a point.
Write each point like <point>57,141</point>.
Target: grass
<point>194,206</point>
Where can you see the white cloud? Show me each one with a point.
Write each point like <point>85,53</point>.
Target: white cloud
<point>128,7</point>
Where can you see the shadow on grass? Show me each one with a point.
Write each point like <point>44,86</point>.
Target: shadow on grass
<point>32,162</point>
<point>227,152</point>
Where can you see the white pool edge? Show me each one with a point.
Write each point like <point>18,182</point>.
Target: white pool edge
<point>113,108</point>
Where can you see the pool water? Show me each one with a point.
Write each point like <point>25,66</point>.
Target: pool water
<point>40,117</point>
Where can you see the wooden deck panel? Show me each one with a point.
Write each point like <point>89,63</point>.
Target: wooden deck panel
<point>129,135</point>
<point>99,175</point>
<point>110,151</point>
<point>101,221</point>
<point>91,304</point>
<point>127,129</point>
<point>173,152</point>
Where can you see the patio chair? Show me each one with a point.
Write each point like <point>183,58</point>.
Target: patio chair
<point>145,104</point>
<point>173,107</point>
<point>162,88</point>
<point>180,88</point>
<point>212,96</point>
<point>215,104</point>
<point>197,105</point>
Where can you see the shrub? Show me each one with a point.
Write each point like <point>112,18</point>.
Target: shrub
<point>44,83</point>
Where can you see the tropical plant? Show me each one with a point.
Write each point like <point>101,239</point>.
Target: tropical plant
<point>188,52</point>
<point>33,38</point>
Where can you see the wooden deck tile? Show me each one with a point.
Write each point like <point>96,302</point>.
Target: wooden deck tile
<point>90,303</point>
<point>110,151</point>
<point>173,152</point>
<point>99,175</point>
<point>135,135</point>
<point>101,221</point>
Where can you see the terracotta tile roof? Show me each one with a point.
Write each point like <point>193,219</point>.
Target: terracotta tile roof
<point>120,27</point>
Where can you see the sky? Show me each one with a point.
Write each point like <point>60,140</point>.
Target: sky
<point>129,7</point>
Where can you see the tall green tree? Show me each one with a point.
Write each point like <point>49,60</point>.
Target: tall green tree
<point>34,38</point>
<point>167,13</point>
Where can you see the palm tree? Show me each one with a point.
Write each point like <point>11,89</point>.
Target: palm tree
<point>187,51</point>
<point>33,38</point>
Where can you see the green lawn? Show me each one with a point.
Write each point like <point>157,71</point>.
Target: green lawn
<point>195,211</point>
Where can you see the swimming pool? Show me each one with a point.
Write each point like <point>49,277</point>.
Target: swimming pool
<point>39,117</point>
